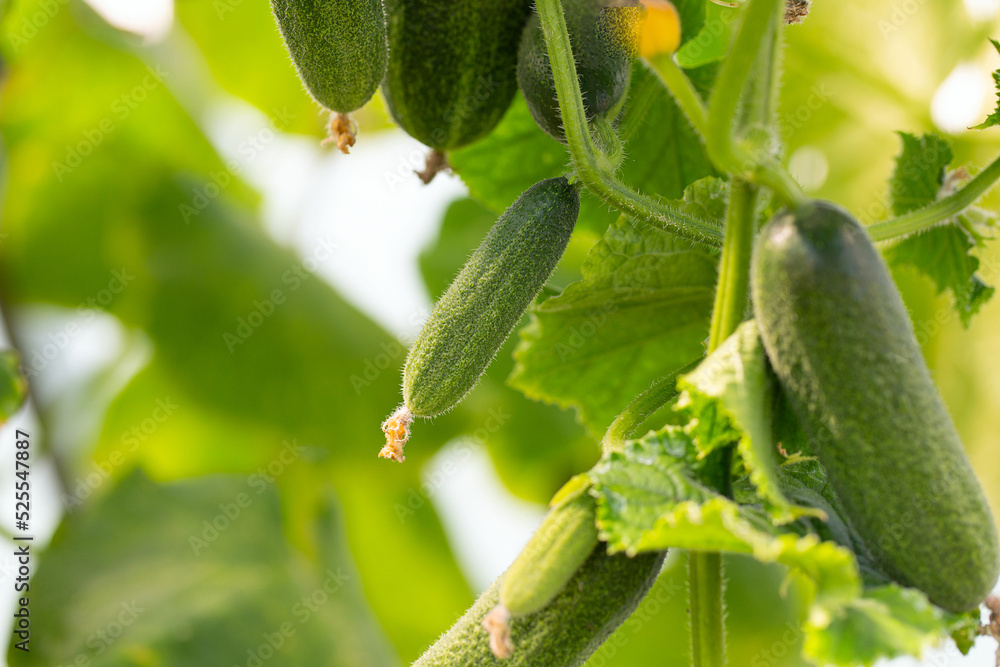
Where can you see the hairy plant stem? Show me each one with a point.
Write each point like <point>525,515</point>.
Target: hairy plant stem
<point>641,408</point>
<point>929,216</point>
<point>734,267</point>
<point>756,164</point>
<point>708,647</point>
<point>586,157</point>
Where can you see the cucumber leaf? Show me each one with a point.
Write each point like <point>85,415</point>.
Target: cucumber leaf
<point>993,118</point>
<point>649,499</point>
<point>729,398</point>
<point>945,253</point>
<point>640,312</point>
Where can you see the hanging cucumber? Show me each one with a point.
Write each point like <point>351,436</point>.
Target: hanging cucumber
<point>452,66</point>
<point>340,51</point>
<point>605,41</point>
<point>842,345</point>
<point>474,317</point>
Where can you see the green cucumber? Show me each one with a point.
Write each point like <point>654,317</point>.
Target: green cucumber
<point>473,318</point>
<point>842,345</point>
<point>339,48</point>
<point>452,66</point>
<point>600,596</point>
<point>605,41</point>
<point>553,554</point>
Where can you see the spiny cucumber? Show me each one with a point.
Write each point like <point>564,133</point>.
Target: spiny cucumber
<point>842,344</point>
<point>340,51</point>
<point>452,66</point>
<point>474,317</point>
<point>605,40</point>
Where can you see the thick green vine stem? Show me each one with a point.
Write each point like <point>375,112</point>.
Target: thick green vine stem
<point>586,157</point>
<point>708,641</point>
<point>939,211</point>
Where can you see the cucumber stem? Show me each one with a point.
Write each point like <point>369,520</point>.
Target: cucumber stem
<point>734,267</point>
<point>708,640</point>
<point>759,166</point>
<point>936,213</point>
<point>585,153</point>
<point>684,93</point>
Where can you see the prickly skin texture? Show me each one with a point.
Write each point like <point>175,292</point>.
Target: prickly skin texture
<point>339,48</point>
<point>605,41</point>
<point>555,552</point>
<point>602,594</point>
<point>452,66</point>
<point>475,315</point>
<point>841,342</point>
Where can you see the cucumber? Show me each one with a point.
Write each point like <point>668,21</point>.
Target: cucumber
<point>600,596</point>
<point>473,318</point>
<point>339,48</point>
<point>843,347</point>
<point>552,556</point>
<point>605,41</point>
<point>452,66</point>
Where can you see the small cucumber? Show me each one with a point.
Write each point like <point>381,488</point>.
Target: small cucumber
<point>605,41</point>
<point>452,66</point>
<point>841,342</point>
<point>552,556</point>
<point>340,50</point>
<point>603,593</point>
<point>474,317</point>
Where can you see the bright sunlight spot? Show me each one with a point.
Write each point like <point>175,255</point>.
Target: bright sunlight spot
<point>809,167</point>
<point>150,18</point>
<point>982,10</point>
<point>958,102</point>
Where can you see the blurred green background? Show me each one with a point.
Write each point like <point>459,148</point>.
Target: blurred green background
<point>209,364</point>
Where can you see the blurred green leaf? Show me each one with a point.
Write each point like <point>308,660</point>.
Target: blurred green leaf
<point>240,42</point>
<point>944,253</point>
<point>13,386</point>
<point>640,313</point>
<point>465,224</point>
<point>196,572</point>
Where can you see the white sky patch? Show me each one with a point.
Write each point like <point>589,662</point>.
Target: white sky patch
<point>486,525</point>
<point>151,19</point>
<point>960,99</point>
<point>982,10</point>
